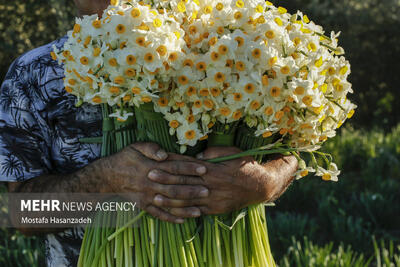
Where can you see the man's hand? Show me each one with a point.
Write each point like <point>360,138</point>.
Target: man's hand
<point>90,7</point>
<point>237,183</point>
<point>134,169</point>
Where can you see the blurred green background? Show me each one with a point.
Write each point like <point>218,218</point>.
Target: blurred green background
<point>355,222</point>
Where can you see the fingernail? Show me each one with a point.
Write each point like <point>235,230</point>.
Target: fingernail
<point>180,221</point>
<point>204,193</point>
<point>201,170</point>
<point>196,213</point>
<point>158,200</point>
<point>161,154</point>
<point>200,156</point>
<point>152,175</point>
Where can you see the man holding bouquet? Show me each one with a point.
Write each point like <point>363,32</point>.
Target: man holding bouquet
<point>40,152</point>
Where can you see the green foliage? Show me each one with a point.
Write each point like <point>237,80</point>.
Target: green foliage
<point>16,249</point>
<point>306,253</point>
<point>26,24</point>
<point>21,251</point>
<point>361,205</point>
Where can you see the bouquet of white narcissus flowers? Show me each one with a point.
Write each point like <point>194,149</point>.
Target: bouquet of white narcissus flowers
<point>207,62</point>
<point>214,70</point>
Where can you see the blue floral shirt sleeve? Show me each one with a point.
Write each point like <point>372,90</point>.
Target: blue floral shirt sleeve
<point>23,149</point>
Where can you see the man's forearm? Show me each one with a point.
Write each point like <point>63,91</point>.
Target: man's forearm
<point>85,180</point>
<point>282,169</point>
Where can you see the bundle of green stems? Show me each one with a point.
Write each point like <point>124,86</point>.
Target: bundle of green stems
<point>135,238</point>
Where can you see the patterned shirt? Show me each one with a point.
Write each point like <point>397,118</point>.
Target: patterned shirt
<point>39,131</point>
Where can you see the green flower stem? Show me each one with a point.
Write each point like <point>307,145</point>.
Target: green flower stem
<point>167,249</point>
<point>323,36</point>
<point>157,241</point>
<point>127,249</point>
<point>138,250</point>
<point>328,46</point>
<point>253,152</point>
<point>173,245</point>
<point>217,242</point>
<point>126,225</point>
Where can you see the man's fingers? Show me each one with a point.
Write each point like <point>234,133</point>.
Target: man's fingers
<point>191,212</point>
<point>181,191</point>
<point>151,151</point>
<point>163,215</point>
<point>163,177</point>
<point>182,168</point>
<point>216,152</point>
<point>164,202</point>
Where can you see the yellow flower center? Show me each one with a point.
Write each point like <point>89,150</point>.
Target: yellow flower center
<point>181,7</point>
<point>268,111</point>
<point>225,111</point>
<point>191,91</point>
<point>96,99</point>
<point>120,29</point>
<point>272,61</point>
<point>215,92</point>
<point>285,70</point>
<point>96,24</point>
<point>190,135</point>
<point>240,4</point>
<point>77,28</point>
<point>208,103</point>
<point>162,102</point>
<point>237,115</point>
<point>141,41</point>
<point>188,63</point>
<point>299,90</point>
<point>135,13</point>
<point>157,23</point>
<point>275,91</point>
<point>208,9</point>
<point>148,57</point>
<point>215,56</point>
<point>265,80</point>
<point>270,34</point>
<point>204,92</point>
<point>255,105</point>
<point>173,56</point>
<point>174,124</point>
<point>249,88</point>
<point>119,80</point>
<point>267,134</point>
<point>240,66</point>
<point>130,60</point>
<point>201,66</point>
<point>326,177</point>
<point>256,53</point>
<point>112,62</point>
<point>114,90</point>
<point>84,60</point>
<point>219,77</point>
<point>222,49</point>
<point>307,100</point>
<point>240,41</point>
<point>238,15</point>
<point>136,90</point>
